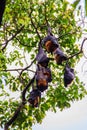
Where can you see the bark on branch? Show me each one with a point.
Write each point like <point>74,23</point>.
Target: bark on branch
<point>12,37</point>
<point>81,50</point>
<point>30,15</point>
<point>27,67</point>
<point>17,112</point>
<point>14,116</point>
<point>19,69</point>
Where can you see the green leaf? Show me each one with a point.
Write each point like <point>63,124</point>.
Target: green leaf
<point>75,3</point>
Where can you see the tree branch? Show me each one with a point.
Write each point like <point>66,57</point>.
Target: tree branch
<point>66,34</point>
<point>15,115</point>
<point>30,15</point>
<point>23,44</point>
<point>27,67</point>
<point>12,37</point>
<point>81,50</point>
<point>17,70</point>
<point>49,31</point>
<point>35,28</point>
<point>25,89</point>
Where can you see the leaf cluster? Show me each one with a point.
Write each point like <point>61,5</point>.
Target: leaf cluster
<point>33,16</point>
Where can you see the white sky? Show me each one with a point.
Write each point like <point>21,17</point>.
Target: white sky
<point>73,118</point>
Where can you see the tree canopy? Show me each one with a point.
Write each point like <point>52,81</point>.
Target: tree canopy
<point>24,26</point>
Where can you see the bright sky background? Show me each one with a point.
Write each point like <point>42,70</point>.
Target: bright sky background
<point>73,118</point>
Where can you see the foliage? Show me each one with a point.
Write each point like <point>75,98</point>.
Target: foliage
<point>76,3</point>
<point>23,22</point>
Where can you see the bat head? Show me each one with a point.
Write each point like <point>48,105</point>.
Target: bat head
<point>42,84</point>
<point>50,43</point>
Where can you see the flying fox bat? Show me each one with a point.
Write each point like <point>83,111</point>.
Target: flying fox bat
<point>42,58</point>
<point>68,75</point>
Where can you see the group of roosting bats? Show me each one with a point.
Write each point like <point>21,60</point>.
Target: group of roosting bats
<point>43,74</point>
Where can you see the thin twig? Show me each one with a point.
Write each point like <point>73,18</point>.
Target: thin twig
<point>27,67</point>
<point>66,34</point>
<point>81,50</point>
<point>49,31</point>
<point>21,79</point>
<point>12,37</point>
<point>30,15</point>
<point>22,43</point>
<point>17,70</point>
<point>36,29</point>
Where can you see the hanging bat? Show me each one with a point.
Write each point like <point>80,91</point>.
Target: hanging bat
<point>35,96</point>
<point>59,56</point>
<point>68,76</point>
<point>2,8</point>
<point>41,57</point>
<point>41,81</point>
<point>50,43</point>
